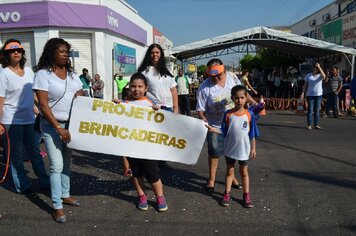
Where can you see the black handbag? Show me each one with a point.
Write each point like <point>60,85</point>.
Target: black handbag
<point>36,125</point>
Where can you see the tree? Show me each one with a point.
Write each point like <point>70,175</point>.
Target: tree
<point>201,70</point>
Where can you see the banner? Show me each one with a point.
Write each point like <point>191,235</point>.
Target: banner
<point>128,130</point>
<point>125,59</point>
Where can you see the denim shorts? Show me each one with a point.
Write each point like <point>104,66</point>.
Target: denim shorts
<point>215,144</point>
<point>230,161</point>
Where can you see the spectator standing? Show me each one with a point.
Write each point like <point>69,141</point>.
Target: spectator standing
<point>184,88</point>
<point>98,87</point>
<point>121,84</point>
<point>313,88</point>
<point>86,79</point>
<point>333,86</point>
<point>245,82</point>
<point>342,94</point>
<point>17,114</point>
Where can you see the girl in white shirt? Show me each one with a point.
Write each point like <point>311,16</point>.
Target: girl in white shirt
<point>17,114</point>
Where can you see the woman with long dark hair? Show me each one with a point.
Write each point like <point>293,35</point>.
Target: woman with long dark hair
<point>17,114</point>
<point>56,86</point>
<point>161,83</point>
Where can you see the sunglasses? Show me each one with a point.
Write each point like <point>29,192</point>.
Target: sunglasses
<point>19,50</point>
<point>216,76</point>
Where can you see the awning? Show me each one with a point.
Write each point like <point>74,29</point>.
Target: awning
<point>263,37</point>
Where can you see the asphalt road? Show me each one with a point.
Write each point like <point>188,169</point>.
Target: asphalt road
<point>302,183</point>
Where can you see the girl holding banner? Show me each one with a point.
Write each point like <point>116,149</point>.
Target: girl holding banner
<point>144,167</point>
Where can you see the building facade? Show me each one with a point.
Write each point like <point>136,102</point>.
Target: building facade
<point>106,36</point>
<point>335,23</point>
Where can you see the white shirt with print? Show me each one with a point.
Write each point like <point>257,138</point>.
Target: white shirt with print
<point>214,100</point>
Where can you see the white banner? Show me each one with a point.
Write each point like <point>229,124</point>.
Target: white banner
<point>128,130</point>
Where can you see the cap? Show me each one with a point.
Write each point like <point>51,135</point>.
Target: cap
<point>13,45</point>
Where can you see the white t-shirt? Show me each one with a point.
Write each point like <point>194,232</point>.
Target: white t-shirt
<point>182,85</point>
<point>315,84</point>
<point>214,100</point>
<point>50,82</point>
<point>238,130</point>
<point>18,94</point>
<point>159,87</point>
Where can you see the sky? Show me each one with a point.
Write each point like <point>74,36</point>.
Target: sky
<point>187,21</point>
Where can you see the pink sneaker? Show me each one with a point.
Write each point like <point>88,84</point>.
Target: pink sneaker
<point>161,204</point>
<point>142,205</point>
<point>247,203</point>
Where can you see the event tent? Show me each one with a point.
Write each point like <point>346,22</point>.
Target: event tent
<point>267,38</point>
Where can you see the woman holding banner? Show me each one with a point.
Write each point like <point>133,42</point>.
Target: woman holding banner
<point>213,99</point>
<point>161,83</point>
<point>56,86</point>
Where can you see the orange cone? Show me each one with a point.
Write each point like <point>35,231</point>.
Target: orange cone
<point>300,107</point>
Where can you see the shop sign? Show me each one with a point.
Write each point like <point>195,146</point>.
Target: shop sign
<point>13,16</point>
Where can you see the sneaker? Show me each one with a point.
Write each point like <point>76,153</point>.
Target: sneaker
<point>161,204</point>
<point>226,200</point>
<point>142,205</point>
<point>247,200</point>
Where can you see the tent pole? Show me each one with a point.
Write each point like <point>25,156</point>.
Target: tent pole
<point>353,67</point>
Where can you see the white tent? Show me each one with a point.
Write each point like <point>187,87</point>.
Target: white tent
<point>268,38</point>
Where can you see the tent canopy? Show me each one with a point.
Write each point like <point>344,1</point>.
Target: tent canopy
<point>263,37</point>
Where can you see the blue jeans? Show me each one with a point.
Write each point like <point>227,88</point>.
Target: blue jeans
<point>332,100</point>
<point>59,160</point>
<point>24,137</point>
<point>314,104</point>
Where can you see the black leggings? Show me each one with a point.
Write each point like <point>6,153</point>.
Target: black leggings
<point>143,167</point>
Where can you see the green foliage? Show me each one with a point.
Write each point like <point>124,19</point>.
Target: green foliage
<point>201,70</point>
<point>266,59</point>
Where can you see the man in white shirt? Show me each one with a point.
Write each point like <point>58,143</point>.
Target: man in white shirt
<point>184,87</point>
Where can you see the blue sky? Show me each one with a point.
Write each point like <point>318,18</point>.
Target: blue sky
<point>186,21</point>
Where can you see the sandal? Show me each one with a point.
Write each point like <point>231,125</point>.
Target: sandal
<point>309,127</point>
<point>128,173</point>
<point>209,189</point>
<point>318,127</point>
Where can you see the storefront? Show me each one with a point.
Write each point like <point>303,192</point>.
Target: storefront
<point>94,31</point>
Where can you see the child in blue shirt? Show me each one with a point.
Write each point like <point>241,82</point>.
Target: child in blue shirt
<point>240,130</point>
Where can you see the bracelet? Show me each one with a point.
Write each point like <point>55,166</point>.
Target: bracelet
<point>58,127</point>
